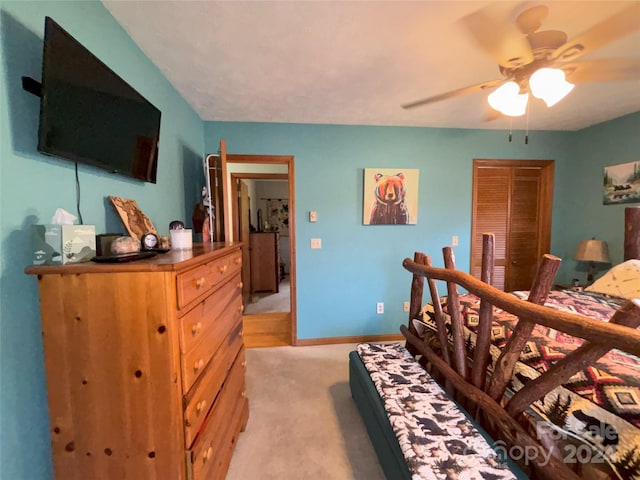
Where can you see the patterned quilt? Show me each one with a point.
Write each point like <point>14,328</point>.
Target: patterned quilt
<point>594,419</point>
<point>437,440</point>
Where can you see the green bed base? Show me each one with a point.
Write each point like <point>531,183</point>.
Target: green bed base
<point>375,418</point>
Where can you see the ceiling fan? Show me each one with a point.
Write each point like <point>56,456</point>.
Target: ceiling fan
<point>525,53</point>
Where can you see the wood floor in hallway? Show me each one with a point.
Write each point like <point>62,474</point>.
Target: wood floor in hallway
<point>267,329</point>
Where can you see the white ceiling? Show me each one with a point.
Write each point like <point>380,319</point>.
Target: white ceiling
<point>356,62</point>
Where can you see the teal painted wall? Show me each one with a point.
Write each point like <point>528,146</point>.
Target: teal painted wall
<point>578,210</point>
<point>339,285</point>
<point>358,266</point>
<point>32,186</point>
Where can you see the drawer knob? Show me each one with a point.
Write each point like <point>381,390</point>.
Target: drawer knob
<point>238,260</point>
<point>195,329</point>
<point>241,308</point>
<point>207,454</point>
<point>200,406</point>
<point>198,365</point>
<point>244,364</point>
<point>222,269</point>
<point>200,282</point>
<point>240,285</point>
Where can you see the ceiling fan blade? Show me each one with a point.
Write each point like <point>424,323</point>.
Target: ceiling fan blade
<point>492,29</point>
<point>453,93</point>
<point>605,70</point>
<point>616,26</point>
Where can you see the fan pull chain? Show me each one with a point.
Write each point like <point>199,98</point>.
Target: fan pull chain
<point>526,132</point>
<point>510,128</point>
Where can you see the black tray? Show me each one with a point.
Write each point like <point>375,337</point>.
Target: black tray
<point>158,250</point>
<point>124,257</point>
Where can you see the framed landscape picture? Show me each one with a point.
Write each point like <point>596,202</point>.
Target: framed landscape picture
<point>390,196</point>
<point>621,184</point>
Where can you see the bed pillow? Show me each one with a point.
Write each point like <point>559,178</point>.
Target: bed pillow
<point>623,281</point>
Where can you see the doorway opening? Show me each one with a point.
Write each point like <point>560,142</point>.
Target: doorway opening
<point>261,211</point>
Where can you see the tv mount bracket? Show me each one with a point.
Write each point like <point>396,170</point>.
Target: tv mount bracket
<point>32,86</point>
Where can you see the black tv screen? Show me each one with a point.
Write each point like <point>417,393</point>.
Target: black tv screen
<point>90,115</point>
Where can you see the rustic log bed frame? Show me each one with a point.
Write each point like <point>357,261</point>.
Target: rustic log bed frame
<point>480,394</point>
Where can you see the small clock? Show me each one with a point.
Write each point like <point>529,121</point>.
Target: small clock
<point>150,241</point>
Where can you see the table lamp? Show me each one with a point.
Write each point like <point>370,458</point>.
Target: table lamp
<point>592,251</point>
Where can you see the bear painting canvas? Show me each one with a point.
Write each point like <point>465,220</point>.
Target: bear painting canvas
<point>390,196</point>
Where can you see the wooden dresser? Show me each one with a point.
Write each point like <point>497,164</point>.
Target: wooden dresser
<point>265,269</point>
<point>145,365</point>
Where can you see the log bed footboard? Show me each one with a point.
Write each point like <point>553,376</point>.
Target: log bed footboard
<point>481,388</point>
<point>476,383</point>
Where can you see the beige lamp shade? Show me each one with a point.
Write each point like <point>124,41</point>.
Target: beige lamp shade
<point>593,250</point>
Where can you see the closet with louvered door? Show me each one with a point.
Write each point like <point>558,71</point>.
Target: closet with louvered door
<point>512,199</point>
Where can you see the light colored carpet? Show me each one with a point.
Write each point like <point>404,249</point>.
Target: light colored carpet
<point>303,423</point>
<point>271,302</point>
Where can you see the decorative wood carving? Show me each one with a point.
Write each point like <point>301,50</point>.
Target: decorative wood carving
<point>134,219</point>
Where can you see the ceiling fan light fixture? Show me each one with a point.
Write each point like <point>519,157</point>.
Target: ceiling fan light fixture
<point>550,85</point>
<point>508,100</point>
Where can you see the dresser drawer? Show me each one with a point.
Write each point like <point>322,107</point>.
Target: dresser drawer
<point>234,262</point>
<point>196,282</point>
<point>195,323</point>
<point>204,393</point>
<point>211,447</point>
<point>190,285</point>
<point>193,363</point>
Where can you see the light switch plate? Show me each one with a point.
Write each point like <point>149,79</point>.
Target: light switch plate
<point>313,216</point>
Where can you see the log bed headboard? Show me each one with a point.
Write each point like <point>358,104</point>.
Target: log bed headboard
<point>632,233</point>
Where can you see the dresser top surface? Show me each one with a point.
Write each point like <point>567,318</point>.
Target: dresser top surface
<point>173,260</point>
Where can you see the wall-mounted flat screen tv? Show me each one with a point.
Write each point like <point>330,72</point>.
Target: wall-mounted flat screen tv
<point>88,114</point>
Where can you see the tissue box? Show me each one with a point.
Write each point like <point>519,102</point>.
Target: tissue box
<point>60,244</point>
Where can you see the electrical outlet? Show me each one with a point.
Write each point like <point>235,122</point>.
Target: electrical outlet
<point>454,241</point>
<point>405,306</point>
<point>316,243</point>
<point>380,308</point>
